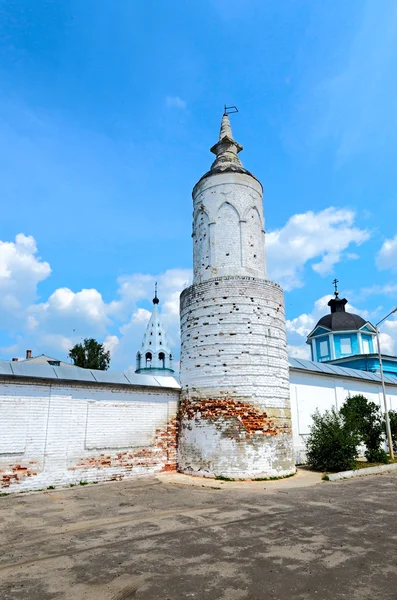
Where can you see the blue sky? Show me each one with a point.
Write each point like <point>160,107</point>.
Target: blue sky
<point>107,113</point>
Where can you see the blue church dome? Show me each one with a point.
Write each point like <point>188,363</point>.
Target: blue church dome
<point>340,334</point>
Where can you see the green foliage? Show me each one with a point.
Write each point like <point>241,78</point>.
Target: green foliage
<point>331,444</point>
<point>224,478</point>
<point>364,418</point>
<point>393,427</point>
<point>273,478</point>
<point>90,355</point>
<point>377,456</point>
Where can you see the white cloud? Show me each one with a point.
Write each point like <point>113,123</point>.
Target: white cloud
<point>389,289</point>
<point>387,343</point>
<point>20,272</point>
<point>53,326</point>
<point>141,315</point>
<point>387,255</point>
<point>304,323</point>
<point>110,343</point>
<point>175,102</point>
<point>308,236</point>
<point>302,351</point>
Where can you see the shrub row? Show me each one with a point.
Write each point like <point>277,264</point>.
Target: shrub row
<point>335,436</point>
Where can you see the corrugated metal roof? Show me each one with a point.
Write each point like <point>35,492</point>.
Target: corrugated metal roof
<point>35,371</point>
<point>316,367</point>
<point>5,367</point>
<point>24,369</point>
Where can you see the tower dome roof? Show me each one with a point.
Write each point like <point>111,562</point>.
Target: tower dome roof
<point>226,151</point>
<point>341,321</point>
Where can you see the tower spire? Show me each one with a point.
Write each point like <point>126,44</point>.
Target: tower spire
<point>154,357</point>
<point>226,149</point>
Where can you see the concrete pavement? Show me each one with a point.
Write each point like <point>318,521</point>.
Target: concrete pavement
<point>153,539</point>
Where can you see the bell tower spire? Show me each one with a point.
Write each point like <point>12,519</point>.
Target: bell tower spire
<point>154,357</point>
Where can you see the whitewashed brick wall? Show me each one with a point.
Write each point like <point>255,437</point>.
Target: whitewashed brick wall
<point>235,411</point>
<point>64,433</point>
<point>228,227</point>
<point>311,391</point>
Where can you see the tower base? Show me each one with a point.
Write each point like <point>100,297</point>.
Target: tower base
<point>235,418</point>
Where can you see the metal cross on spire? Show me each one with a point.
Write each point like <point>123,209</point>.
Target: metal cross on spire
<point>155,299</point>
<point>335,282</point>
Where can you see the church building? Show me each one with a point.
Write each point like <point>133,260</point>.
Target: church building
<point>346,339</point>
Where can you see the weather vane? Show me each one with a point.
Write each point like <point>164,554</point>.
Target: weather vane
<point>335,282</point>
<point>230,110</point>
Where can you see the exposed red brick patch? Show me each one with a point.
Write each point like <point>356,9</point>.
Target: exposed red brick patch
<point>249,419</point>
<point>161,455</point>
<point>16,474</point>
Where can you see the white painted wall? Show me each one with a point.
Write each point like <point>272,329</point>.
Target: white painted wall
<point>63,433</point>
<point>309,391</point>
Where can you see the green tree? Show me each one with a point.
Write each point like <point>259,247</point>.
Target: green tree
<point>365,419</point>
<point>331,445</point>
<point>90,355</point>
<point>393,427</point>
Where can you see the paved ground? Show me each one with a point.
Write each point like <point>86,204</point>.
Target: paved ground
<point>170,540</point>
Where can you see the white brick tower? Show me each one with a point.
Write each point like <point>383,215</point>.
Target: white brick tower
<point>235,416</point>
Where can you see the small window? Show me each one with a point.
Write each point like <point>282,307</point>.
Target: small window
<point>323,348</point>
<point>366,348</point>
<point>162,359</point>
<point>345,345</point>
<point>54,363</point>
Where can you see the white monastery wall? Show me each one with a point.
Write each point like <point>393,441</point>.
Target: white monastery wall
<point>228,227</point>
<point>64,433</point>
<point>235,413</point>
<point>310,391</point>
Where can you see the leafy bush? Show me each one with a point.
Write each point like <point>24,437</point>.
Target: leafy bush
<point>364,419</point>
<point>377,456</point>
<point>393,427</point>
<point>331,444</point>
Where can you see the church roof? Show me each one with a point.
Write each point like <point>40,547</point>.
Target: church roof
<point>320,368</point>
<point>341,321</point>
<point>226,150</point>
<point>155,338</point>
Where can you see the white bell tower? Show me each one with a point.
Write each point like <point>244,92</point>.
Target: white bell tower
<point>154,357</point>
<point>235,417</point>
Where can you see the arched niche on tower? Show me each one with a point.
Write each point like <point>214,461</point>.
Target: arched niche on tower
<point>201,242</point>
<point>228,237</point>
<point>253,239</point>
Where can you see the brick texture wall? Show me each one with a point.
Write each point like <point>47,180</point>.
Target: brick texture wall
<point>66,433</point>
<point>228,227</point>
<point>235,411</point>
